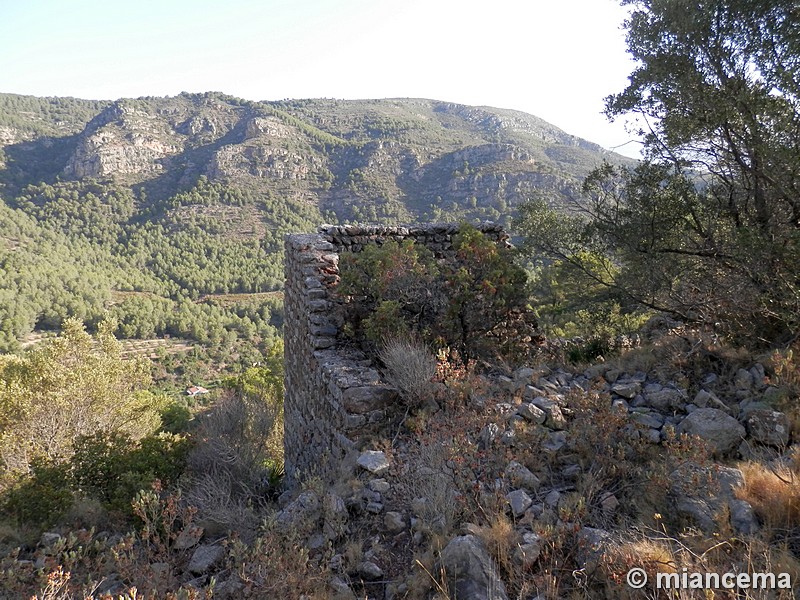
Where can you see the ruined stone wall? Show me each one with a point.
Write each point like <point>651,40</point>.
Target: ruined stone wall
<point>335,398</point>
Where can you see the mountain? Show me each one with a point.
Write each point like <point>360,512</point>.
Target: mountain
<point>168,214</point>
<point>396,159</point>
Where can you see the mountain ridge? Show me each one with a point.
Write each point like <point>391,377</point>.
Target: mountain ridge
<point>406,155</point>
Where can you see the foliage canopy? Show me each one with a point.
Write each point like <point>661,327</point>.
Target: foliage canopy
<point>70,386</point>
<point>708,226</point>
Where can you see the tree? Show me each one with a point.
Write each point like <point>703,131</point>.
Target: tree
<point>73,385</point>
<point>708,226</point>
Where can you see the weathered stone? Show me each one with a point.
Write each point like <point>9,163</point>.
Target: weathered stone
<point>335,516</point>
<point>361,400</point>
<point>555,417</point>
<point>519,475</point>
<point>354,422</point>
<point>721,431</point>
<point>768,427</point>
<point>697,511</point>
<point>665,400</point>
<point>527,553</point>
<point>188,537</point>
<point>592,546</point>
<point>323,330</point>
<point>509,438</point>
<point>340,590</point>
<point>552,498</point>
<point>373,461</point>
<point>609,503</point>
<point>706,399</point>
<point>595,371</point>
<point>507,383</point>
<point>532,413</point>
<point>627,390</point>
<point>394,522</point>
<point>702,493</point>
<point>321,342</point>
<point>370,571</point>
<point>620,406</point>
<point>524,374</point>
<point>204,557</point>
<point>519,501</point>
<point>317,542</point>
<point>49,538</point>
<point>652,436</point>
<point>301,515</point>
<point>379,485</point>
<point>470,570</point>
<point>743,380</point>
<point>759,376</point>
<point>648,419</point>
<point>395,590</point>
<point>743,517</point>
<point>554,441</point>
<point>230,589</point>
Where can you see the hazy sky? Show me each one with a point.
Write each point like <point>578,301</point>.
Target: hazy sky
<point>556,59</point>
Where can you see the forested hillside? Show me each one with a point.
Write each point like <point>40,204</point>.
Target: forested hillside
<point>168,214</point>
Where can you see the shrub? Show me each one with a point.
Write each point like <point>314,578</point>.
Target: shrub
<point>113,468</point>
<point>393,287</point>
<point>238,460</point>
<point>175,418</point>
<point>474,304</point>
<point>385,321</point>
<point>487,293</point>
<point>41,497</point>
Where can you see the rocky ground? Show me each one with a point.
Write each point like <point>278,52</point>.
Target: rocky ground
<point>544,482</point>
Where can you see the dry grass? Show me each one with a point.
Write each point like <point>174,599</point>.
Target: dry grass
<point>410,366</point>
<point>773,493</point>
<point>237,441</point>
<point>501,540</point>
<point>654,556</point>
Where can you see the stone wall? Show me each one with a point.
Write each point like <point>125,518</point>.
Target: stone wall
<point>335,398</point>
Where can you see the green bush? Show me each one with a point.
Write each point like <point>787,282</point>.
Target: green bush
<point>40,498</point>
<point>487,293</point>
<point>393,285</point>
<point>112,468</point>
<point>386,320</point>
<point>474,304</point>
<point>175,418</point>
<point>574,298</point>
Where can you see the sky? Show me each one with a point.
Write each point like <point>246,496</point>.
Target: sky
<point>556,59</point>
